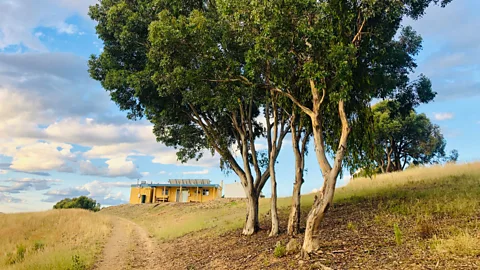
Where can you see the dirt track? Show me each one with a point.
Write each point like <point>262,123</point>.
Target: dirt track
<point>129,247</point>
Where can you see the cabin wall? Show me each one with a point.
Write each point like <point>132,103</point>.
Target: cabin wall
<point>153,192</point>
<point>136,191</point>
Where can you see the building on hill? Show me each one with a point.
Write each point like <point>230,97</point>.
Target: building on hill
<point>234,190</point>
<point>177,190</point>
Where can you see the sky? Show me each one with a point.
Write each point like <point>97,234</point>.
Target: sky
<point>61,135</point>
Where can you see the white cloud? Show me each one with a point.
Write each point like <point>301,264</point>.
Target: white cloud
<point>43,157</point>
<point>443,116</point>
<point>145,173</point>
<point>102,192</point>
<point>196,172</point>
<point>115,167</point>
<point>65,28</point>
<point>3,171</point>
<point>162,172</point>
<point>451,62</point>
<point>122,167</point>
<point>19,19</point>
<point>9,199</point>
<point>24,184</point>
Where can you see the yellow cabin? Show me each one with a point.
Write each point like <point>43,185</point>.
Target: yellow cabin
<point>177,190</point>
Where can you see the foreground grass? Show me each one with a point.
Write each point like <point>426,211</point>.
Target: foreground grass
<point>439,203</point>
<point>56,239</point>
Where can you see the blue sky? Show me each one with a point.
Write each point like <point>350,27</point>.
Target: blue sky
<point>61,136</point>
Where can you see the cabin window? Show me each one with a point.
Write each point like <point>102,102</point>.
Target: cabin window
<point>165,192</point>
<point>206,192</point>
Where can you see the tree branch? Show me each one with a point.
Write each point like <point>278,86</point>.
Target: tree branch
<point>295,101</point>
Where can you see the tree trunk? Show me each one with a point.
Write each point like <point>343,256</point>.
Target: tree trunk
<point>273,201</point>
<point>293,227</point>
<point>251,225</point>
<point>322,202</point>
<point>324,198</point>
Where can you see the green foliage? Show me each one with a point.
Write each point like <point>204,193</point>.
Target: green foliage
<point>82,202</point>
<point>403,139</point>
<point>453,157</point>
<point>351,226</point>
<point>18,256</point>
<point>398,234</point>
<point>38,246</point>
<point>280,250</point>
<point>77,263</point>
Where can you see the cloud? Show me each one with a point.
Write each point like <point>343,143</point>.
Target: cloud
<point>24,184</point>
<point>443,116</point>
<point>9,199</point>
<point>145,173</point>
<point>6,167</point>
<point>20,18</point>
<point>43,157</point>
<point>450,61</point>
<point>3,171</point>
<point>115,167</point>
<point>196,172</point>
<point>164,172</point>
<point>102,192</point>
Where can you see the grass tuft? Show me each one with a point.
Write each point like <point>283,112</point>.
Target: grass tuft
<point>464,243</point>
<point>398,234</point>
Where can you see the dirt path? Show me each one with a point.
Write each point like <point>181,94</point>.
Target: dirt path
<point>129,247</point>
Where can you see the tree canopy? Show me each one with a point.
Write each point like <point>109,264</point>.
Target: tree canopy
<point>82,202</point>
<point>403,140</point>
<point>203,71</point>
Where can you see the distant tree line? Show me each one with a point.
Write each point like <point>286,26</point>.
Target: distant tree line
<point>204,72</point>
<point>82,202</point>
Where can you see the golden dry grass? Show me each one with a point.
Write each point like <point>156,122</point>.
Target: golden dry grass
<point>55,239</point>
<point>464,243</point>
<point>383,182</point>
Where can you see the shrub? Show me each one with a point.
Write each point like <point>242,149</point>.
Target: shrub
<point>279,250</point>
<point>77,263</point>
<point>18,256</point>
<point>38,246</point>
<point>82,202</point>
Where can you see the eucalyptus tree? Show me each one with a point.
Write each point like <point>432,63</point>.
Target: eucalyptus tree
<point>178,64</point>
<point>346,53</point>
<point>403,139</point>
<point>301,131</point>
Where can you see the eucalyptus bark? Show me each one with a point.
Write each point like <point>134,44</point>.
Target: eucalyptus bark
<point>299,149</point>
<point>252,224</point>
<point>293,227</point>
<point>324,198</point>
<point>273,201</point>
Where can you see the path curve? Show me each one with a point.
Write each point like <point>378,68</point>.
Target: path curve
<point>129,247</point>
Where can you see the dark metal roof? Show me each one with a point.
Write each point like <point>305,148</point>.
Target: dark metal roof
<point>189,181</point>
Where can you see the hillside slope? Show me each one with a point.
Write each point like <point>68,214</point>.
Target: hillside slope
<point>55,239</point>
<point>417,219</point>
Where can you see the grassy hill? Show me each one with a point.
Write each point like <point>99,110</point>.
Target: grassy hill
<point>56,239</point>
<point>417,219</point>
<point>422,217</point>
